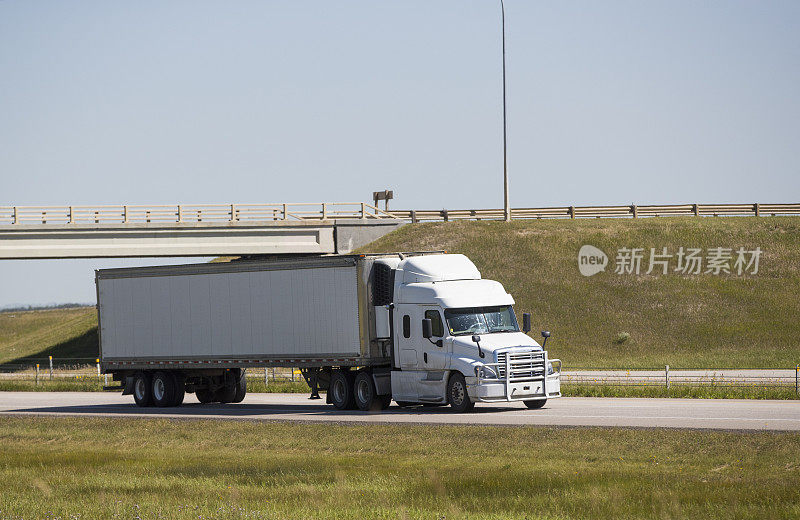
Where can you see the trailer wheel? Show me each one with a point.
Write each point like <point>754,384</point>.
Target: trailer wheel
<point>143,389</point>
<point>535,404</point>
<point>364,392</point>
<point>341,390</point>
<point>163,389</point>
<point>241,388</point>
<point>180,388</point>
<point>204,395</point>
<point>457,394</point>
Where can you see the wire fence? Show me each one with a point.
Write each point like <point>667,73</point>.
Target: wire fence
<point>83,369</point>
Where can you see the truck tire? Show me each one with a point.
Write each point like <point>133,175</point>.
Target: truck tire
<point>457,395</point>
<point>204,395</point>
<point>241,388</point>
<point>163,389</point>
<point>143,389</point>
<point>226,394</point>
<point>180,388</point>
<point>341,390</point>
<point>364,393</point>
<point>535,404</point>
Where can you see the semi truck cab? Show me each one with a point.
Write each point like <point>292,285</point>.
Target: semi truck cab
<point>455,337</point>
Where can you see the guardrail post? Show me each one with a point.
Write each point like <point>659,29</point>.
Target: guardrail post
<point>51,368</point>
<point>285,213</point>
<point>414,216</point>
<point>324,211</point>
<point>37,374</point>
<point>125,214</point>
<point>71,219</point>
<point>757,209</point>
<point>572,212</point>
<point>233,213</point>
<point>666,372</point>
<point>363,215</point>
<point>696,208</point>
<point>635,211</point>
<point>16,216</point>
<point>180,213</point>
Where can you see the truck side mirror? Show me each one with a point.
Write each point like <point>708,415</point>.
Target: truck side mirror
<point>477,339</point>
<point>427,328</point>
<point>526,322</point>
<point>545,335</point>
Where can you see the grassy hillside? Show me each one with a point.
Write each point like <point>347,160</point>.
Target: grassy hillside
<point>62,333</point>
<point>686,321</point>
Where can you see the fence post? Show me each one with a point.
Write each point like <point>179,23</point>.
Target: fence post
<point>125,214</point>
<point>285,214</point>
<point>37,374</point>
<point>180,213</point>
<point>445,216</point>
<point>292,369</point>
<point>363,210</point>
<point>233,213</point>
<point>757,209</point>
<point>266,379</point>
<point>414,216</point>
<point>696,208</point>
<point>51,368</point>
<point>16,216</point>
<point>71,218</point>
<point>324,211</point>
<point>666,372</point>
<point>635,210</point>
<point>572,212</point>
<point>98,369</point>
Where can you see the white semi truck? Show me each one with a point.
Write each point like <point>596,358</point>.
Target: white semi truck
<point>412,327</point>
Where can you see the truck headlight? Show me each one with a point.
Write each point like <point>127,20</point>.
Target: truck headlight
<point>550,370</point>
<point>485,372</point>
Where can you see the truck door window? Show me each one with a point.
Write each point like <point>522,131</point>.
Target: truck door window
<point>436,322</point>
<point>406,326</point>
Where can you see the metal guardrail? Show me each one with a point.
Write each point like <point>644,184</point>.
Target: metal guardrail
<point>632,211</point>
<point>192,213</point>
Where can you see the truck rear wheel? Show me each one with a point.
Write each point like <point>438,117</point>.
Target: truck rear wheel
<point>163,389</point>
<point>180,388</point>
<point>364,392</point>
<point>457,394</point>
<point>341,390</point>
<point>241,388</point>
<point>535,404</point>
<point>143,389</point>
<point>204,395</point>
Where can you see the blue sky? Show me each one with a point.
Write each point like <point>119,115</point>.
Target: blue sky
<point>215,102</point>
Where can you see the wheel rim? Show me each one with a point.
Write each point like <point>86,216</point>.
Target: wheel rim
<point>458,393</point>
<point>158,389</point>
<point>338,391</point>
<point>140,388</point>
<point>364,393</point>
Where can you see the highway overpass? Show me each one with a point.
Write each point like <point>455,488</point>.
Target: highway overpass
<point>169,231</point>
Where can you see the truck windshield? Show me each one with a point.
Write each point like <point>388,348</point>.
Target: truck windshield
<point>481,320</point>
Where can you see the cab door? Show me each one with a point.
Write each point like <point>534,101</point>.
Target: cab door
<point>434,352</point>
<point>407,326</point>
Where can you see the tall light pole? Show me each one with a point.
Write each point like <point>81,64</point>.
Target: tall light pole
<point>506,207</point>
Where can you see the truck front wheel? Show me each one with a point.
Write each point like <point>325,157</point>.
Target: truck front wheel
<point>143,389</point>
<point>341,390</point>
<point>457,394</point>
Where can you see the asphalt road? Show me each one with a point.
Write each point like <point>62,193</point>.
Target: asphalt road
<point>726,414</point>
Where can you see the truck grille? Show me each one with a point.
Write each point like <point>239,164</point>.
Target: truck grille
<point>524,365</point>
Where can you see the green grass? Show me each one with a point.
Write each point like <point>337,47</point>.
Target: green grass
<point>99,468</point>
<point>30,336</point>
<point>680,391</point>
<point>700,321</point>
